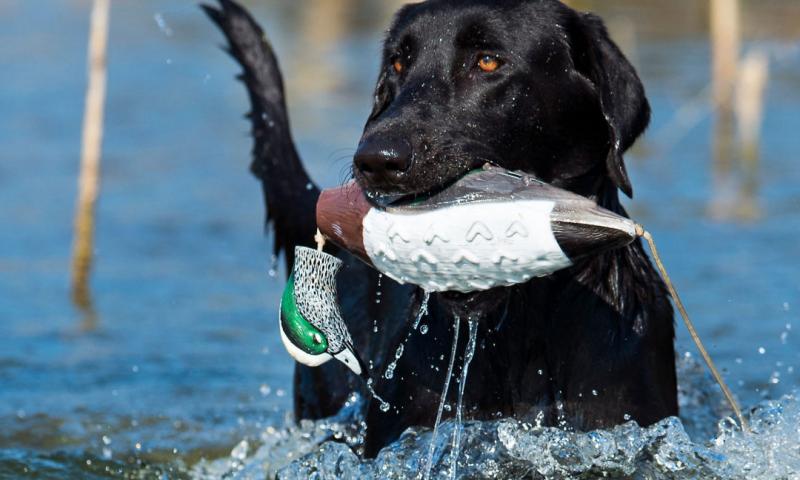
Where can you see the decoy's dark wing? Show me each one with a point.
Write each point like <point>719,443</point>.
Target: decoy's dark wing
<point>289,193</point>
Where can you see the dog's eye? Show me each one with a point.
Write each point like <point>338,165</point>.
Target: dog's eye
<point>398,65</point>
<point>489,63</point>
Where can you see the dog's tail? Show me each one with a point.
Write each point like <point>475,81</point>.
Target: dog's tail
<point>289,193</point>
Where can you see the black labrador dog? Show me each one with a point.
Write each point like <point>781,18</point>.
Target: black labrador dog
<point>527,85</point>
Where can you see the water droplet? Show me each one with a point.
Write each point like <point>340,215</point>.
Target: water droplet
<point>239,452</point>
<point>265,390</point>
<point>273,266</point>
<point>762,350</point>
<point>106,440</point>
<point>423,329</point>
<point>162,24</point>
<point>594,393</point>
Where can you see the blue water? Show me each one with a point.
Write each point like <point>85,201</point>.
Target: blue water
<point>184,361</point>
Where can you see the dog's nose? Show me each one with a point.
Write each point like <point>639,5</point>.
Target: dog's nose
<point>383,161</point>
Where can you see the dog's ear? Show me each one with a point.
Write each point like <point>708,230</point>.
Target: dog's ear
<point>621,92</point>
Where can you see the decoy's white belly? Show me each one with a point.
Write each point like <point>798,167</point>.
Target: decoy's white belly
<point>467,247</point>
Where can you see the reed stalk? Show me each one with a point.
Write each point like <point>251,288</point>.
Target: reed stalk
<point>725,45</point>
<point>91,146</point>
<point>750,95</point>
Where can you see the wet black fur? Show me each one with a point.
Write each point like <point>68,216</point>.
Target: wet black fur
<point>588,346</point>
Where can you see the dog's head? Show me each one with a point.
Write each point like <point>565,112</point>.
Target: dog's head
<point>524,84</point>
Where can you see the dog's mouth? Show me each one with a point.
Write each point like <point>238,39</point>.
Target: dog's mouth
<point>386,200</point>
<point>382,199</point>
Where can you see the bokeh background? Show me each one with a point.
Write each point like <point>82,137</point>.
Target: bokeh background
<point>182,359</point>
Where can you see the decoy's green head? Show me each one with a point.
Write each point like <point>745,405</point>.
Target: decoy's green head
<point>304,342</point>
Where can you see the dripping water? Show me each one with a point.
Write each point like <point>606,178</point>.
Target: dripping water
<point>378,292</point>
<point>378,295</point>
<point>398,354</point>
<point>384,405</point>
<point>443,399</point>
<point>470,352</point>
<point>423,308</point>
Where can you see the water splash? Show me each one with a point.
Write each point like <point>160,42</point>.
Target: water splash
<point>443,399</point>
<point>280,447</point>
<point>468,354</point>
<point>515,449</point>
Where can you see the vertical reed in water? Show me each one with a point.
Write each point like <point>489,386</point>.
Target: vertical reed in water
<point>89,181</point>
<point>725,44</point>
<point>750,93</point>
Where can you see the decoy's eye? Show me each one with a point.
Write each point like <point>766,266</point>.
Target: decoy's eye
<point>489,63</point>
<point>398,66</point>
<point>317,338</point>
